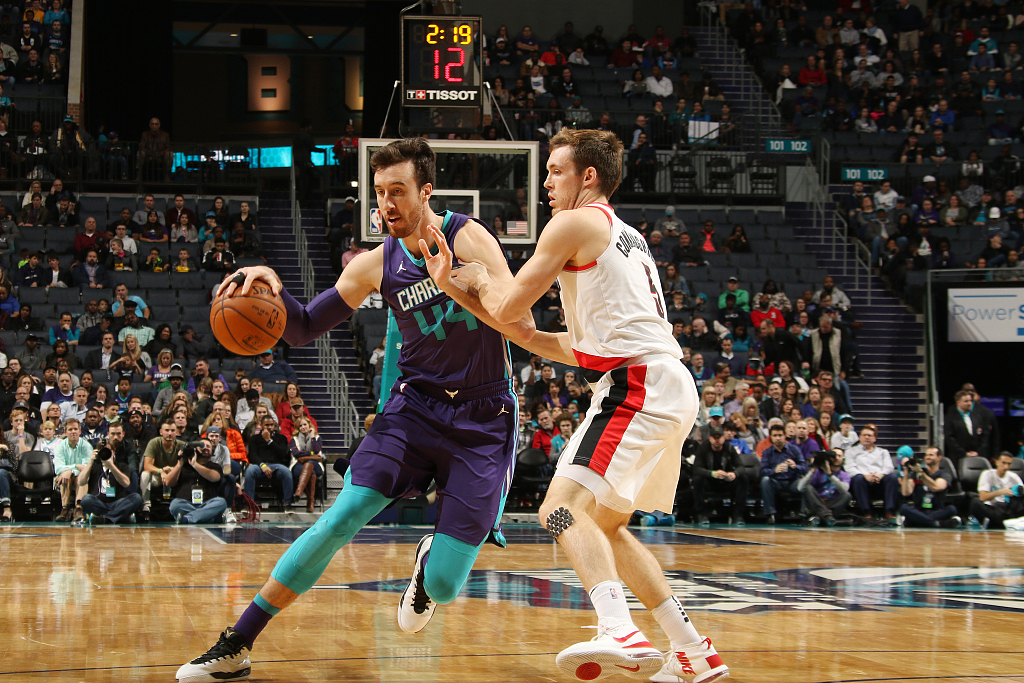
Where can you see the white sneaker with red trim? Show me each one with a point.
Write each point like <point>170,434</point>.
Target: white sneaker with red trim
<point>617,649</point>
<point>698,661</point>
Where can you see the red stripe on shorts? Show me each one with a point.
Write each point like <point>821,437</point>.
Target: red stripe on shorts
<point>612,435</point>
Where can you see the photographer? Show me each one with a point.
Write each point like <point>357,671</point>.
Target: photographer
<point>1000,494</point>
<point>928,486</point>
<point>714,470</point>
<point>269,457</point>
<point>111,480</point>
<point>196,483</point>
<point>826,488</point>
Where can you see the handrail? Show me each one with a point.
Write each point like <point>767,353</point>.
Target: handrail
<point>337,383</point>
<point>854,264</point>
<point>763,105</point>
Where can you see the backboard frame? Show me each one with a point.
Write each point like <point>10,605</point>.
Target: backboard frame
<point>367,199</point>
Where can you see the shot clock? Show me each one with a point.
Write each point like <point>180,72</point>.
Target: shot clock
<point>440,61</point>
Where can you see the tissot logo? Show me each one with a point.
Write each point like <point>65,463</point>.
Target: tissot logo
<point>462,95</point>
<point>790,590</point>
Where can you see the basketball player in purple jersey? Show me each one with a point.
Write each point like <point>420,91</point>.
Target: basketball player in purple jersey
<point>452,416</point>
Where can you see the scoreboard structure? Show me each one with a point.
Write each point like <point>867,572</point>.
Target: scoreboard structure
<point>441,61</point>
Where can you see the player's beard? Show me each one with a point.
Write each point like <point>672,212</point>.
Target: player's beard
<point>408,224</point>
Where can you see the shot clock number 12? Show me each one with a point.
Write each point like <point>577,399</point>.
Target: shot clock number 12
<point>440,62</point>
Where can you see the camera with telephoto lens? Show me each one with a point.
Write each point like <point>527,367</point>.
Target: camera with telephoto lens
<point>196,448</point>
<point>103,451</point>
<point>821,458</point>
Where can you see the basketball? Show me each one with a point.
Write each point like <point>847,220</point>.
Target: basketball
<point>249,324</point>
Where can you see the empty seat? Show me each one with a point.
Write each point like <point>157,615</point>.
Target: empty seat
<point>66,297</point>
<point>161,297</point>
<point>31,295</point>
<point>154,280</point>
<point>193,280</point>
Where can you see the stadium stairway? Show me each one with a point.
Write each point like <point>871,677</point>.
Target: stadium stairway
<point>720,56</point>
<point>892,395</point>
<point>279,247</point>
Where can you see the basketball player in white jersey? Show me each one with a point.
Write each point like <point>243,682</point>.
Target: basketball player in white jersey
<point>625,455</point>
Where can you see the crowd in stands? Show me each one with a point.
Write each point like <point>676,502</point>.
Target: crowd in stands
<point>934,99</point>
<point>786,440</point>
<point>119,385</point>
<point>646,89</point>
<point>34,45</point>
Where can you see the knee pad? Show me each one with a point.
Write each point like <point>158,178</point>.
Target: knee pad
<point>558,521</point>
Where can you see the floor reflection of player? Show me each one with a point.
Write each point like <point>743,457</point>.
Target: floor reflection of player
<point>626,453</point>
<point>452,415</point>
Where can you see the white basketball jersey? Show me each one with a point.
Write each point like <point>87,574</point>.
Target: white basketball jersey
<point>614,306</point>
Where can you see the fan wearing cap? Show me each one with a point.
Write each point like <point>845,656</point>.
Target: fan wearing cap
<point>716,468</point>
<point>716,419</point>
<point>31,357</point>
<point>846,437</point>
<point>210,222</point>
<point>163,399</point>
<point>270,370</point>
<point>742,295</point>
<point>245,411</point>
<point>298,411</point>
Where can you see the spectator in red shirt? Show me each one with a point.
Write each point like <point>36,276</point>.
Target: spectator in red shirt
<point>659,43</point>
<point>763,310</point>
<point>178,209</point>
<point>622,56</point>
<point>706,239</point>
<point>84,241</point>
<point>813,73</point>
<point>288,424</point>
<point>545,432</point>
<point>354,250</point>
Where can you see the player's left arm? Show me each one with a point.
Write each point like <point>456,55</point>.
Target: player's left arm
<point>475,244</point>
<point>510,300</point>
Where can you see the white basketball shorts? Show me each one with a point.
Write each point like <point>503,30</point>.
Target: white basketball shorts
<point>627,449</point>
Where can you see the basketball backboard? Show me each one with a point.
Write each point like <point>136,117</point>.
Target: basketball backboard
<point>481,178</point>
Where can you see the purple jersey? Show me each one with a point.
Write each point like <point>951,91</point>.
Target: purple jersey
<point>442,344</point>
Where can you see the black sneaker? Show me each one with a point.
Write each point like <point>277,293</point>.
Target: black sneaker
<point>228,660</point>
<point>951,523</point>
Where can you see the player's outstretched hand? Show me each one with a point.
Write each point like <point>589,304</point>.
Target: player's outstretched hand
<point>440,264</point>
<point>246,276</point>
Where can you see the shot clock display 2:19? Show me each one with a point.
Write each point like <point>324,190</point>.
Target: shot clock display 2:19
<point>440,62</point>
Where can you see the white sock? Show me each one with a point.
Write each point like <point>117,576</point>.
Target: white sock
<point>610,602</point>
<point>673,620</point>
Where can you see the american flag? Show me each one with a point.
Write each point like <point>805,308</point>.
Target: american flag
<point>516,228</point>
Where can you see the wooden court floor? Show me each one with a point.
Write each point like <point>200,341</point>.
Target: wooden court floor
<point>782,605</point>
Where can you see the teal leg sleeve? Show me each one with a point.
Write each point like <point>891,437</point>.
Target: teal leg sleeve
<point>307,558</point>
<point>448,566</point>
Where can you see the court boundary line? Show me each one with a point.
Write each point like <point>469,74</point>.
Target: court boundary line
<point>550,654</point>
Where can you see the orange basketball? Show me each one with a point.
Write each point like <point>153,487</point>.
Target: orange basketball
<point>251,324</point>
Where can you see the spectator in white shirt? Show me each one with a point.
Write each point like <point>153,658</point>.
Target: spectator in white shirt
<point>872,473</point>
<point>1000,494</point>
<point>885,197</point>
<point>75,408</point>
<point>658,84</point>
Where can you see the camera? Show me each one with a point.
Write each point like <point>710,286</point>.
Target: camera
<point>196,448</point>
<point>103,451</point>
<point>821,459</point>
